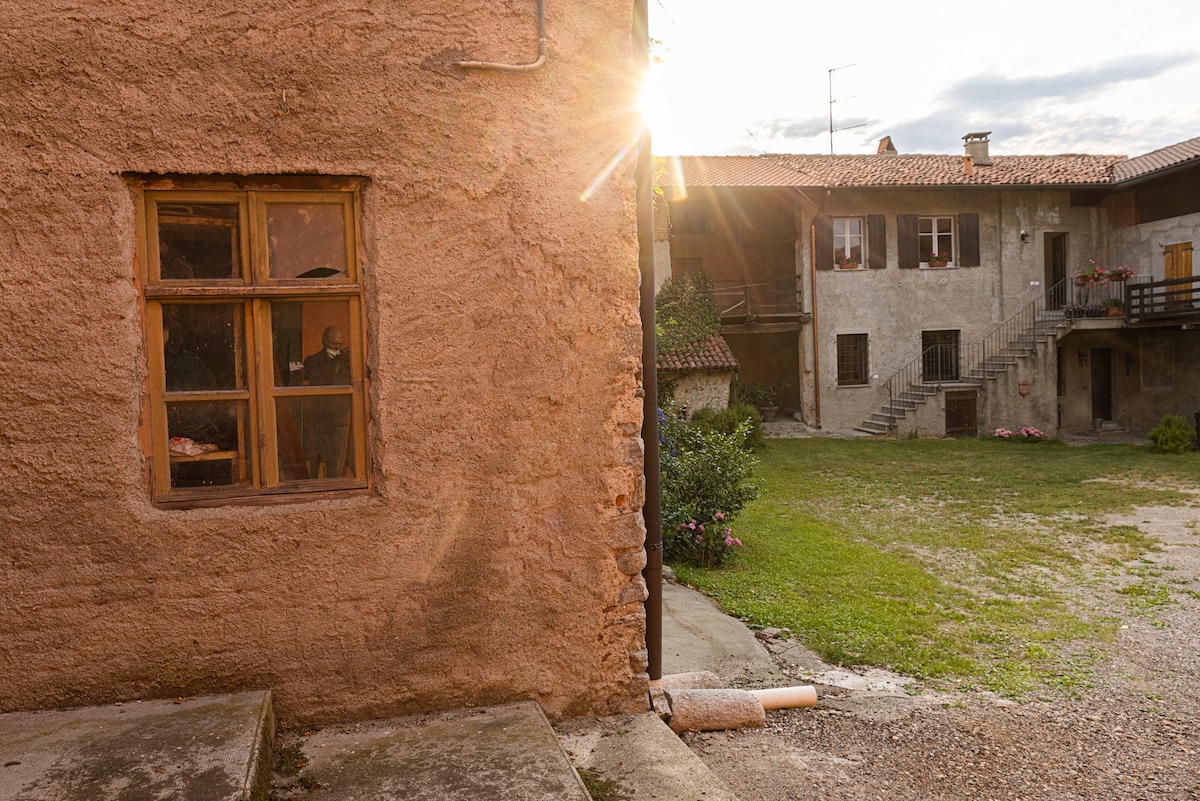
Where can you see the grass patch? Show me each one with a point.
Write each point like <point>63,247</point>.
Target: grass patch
<point>957,561</point>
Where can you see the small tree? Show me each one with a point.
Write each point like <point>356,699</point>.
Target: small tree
<point>1173,434</point>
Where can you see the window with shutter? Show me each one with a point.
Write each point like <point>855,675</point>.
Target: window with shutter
<point>877,241</point>
<point>968,240</point>
<point>907,244</point>
<point>823,242</point>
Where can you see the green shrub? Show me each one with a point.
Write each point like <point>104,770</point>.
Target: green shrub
<point>1173,434</point>
<point>707,478</point>
<point>728,420</point>
<point>685,314</point>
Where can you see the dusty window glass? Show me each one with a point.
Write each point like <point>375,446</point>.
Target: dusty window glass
<point>207,443</point>
<point>306,240</point>
<point>848,242</point>
<point>310,342</point>
<point>199,241</point>
<point>935,236</point>
<point>202,347</point>
<point>315,437</point>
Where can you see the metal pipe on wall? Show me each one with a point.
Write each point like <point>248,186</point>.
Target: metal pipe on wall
<point>541,56</point>
<point>644,173</point>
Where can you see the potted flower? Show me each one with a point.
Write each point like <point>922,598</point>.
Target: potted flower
<point>1116,307</point>
<point>764,397</point>
<point>1121,273</point>
<point>1089,273</point>
<point>848,262</point>
<point>938,259</point>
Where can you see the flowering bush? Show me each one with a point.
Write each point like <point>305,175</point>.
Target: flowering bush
<point>707,478</point>
<point>939,256</point>
<point>1026,433</point>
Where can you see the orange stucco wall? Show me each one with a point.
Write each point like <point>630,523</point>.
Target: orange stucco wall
<point>499,554</point>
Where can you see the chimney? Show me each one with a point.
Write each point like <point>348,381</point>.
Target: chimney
<point>977,147</point>
<point>886,148</point>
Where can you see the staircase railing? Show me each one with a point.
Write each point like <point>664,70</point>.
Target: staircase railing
<point>939,364</point>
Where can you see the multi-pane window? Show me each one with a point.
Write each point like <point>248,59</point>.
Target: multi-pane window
<point>852,362</point>
<point>848,242</point>
<point>255,342</point>
<point>935,239</point>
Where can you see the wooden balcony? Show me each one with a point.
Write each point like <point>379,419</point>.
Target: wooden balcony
<point>772,299</point>
<point>1174,298</point>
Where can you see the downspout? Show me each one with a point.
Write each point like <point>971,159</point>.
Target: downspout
<point>812,267</point>
<point>644,172</point>
<point>541,56</point>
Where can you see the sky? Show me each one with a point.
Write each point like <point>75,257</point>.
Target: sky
<point>1048,77</point>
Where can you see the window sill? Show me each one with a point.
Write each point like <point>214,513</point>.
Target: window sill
<point>209,498</point>
<point>950,266</point>
<point>865,384</point>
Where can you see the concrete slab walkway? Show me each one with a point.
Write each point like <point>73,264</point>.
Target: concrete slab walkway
<point>189,749</point>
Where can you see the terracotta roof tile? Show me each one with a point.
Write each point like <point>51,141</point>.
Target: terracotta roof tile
<point>1157,160</point>
<point>729,171</point>
<point>893,170</point>
<point>714,355</point>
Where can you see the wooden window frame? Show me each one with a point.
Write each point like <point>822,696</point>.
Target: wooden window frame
<point>251,295</point>
<point>936,236</point>
<point>853,360</point>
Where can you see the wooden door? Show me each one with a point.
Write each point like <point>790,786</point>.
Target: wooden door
<point>1177,263</point>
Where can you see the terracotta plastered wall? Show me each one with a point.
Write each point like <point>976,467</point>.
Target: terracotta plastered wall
<point>498,556</point>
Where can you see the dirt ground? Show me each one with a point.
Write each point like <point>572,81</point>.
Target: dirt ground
<point>1135,734</point>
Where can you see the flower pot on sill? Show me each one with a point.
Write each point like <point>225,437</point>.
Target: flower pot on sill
<point>1116,311</point>
<point>936,264</point>
<point>848,265</point>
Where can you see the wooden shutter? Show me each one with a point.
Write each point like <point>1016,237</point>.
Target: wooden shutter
<point>823,241</point>
<point>968,240</point>
<point>876,241</point>
<point>907,241</point>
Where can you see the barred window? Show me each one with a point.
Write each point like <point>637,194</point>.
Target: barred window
<point>852,361</point>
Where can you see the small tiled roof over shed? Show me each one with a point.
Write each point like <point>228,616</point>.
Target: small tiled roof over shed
<point>713,355</point>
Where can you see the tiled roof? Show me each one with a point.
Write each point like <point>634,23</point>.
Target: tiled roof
<point>891,170</point>
<point>916,170</point>
<point>1158,160</point>
<point>729,171</point>
<point>713,355</point>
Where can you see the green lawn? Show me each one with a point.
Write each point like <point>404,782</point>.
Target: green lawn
<point>980,563</point>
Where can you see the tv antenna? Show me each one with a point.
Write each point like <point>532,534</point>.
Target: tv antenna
<point>833,130</point>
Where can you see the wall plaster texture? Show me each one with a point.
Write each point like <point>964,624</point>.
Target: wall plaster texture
<point>499,554</point>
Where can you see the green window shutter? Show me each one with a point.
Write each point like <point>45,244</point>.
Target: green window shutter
<point>876,241</point>
<point>823,242</point>
<point>968,240</point>
<point>907,241</point>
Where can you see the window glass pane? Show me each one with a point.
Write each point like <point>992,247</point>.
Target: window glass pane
<point>306,240</point>
<point>855,226</point>
<point>943,225</point>
<point>310,342</point>
<point>199,241</point>
<point>202,346</point>
<point>208,443</point>
<point>315,437</point>
<point>925,225</point>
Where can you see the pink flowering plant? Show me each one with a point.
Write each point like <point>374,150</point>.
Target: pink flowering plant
<point>707,478</point>
<point>1024,434</point>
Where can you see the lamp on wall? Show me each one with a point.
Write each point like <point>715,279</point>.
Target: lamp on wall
<point>1024,235</point>
<point>1082,354</point>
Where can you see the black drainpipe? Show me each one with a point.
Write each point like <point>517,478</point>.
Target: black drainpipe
<point>645,233</point>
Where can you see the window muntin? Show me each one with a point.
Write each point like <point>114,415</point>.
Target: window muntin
<point>935,235</point>
<point>242,291</point>
<point>848,242</point>
<point>852,359</point>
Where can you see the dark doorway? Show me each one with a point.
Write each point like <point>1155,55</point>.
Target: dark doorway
<point>1056,270</point>
<point>939,356</point>
<point>961,417</point>
<point>1102,407</point>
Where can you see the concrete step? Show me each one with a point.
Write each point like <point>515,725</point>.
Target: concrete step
<point>217,748</point>
<point>499,753</point>
<point>871,427</point>
<point>638,756</point>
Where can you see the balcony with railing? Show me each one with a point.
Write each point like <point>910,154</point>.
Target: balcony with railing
<point>763,299</point>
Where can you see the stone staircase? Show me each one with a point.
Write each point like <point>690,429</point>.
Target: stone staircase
<point>1012,341</point>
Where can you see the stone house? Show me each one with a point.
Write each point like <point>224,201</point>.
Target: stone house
<point>701,377</point>
<point>320,377</point>
<point>935,293</point>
